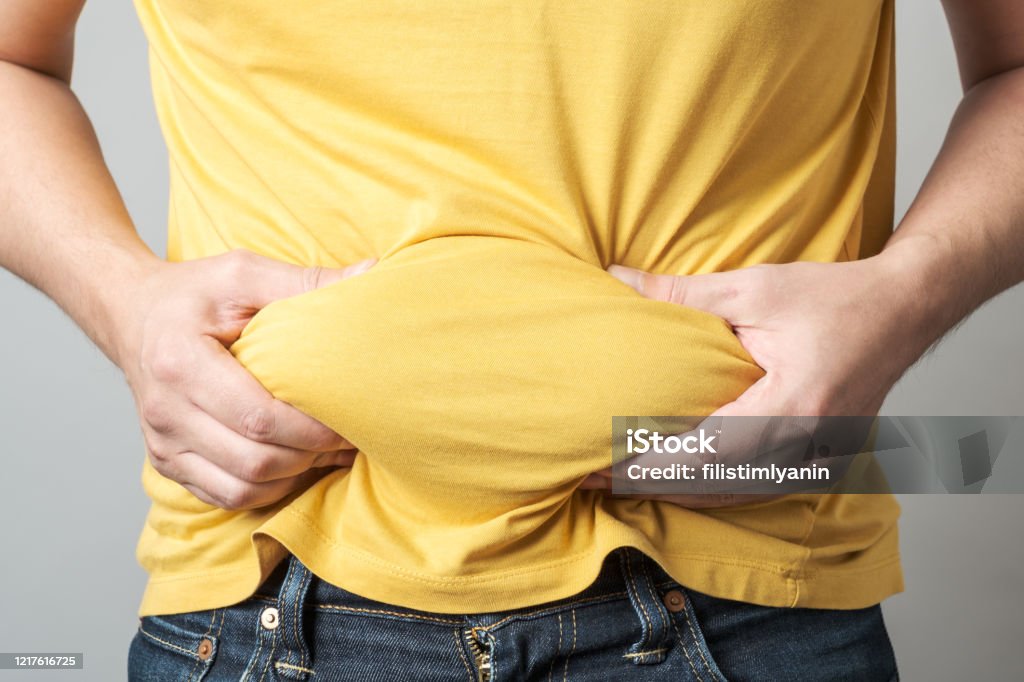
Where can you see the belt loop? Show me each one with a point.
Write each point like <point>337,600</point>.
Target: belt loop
<point>655,623</point>
<point>293,661</point>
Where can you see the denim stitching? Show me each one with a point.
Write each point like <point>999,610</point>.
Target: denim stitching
<point>285,591</point>
<point>654,597</point>
<point>494,655</point>
<point>682,645</point>
<point>263,597</point>
<point>259,651</point>
<point>462,654</point>
<point>551,669</point>
<point>306,577</point>
<point>164,641</point>
<point>295,621</point>
<point>696,640</point>
<point>294,574</point>
<point>337,607</point>
<point>288,666</point>
<point>645,654</point>
<point>561,607</point>
<point>270,656</point>
<point>209,629</point>
<point>647,617</point>
<point>572,650</point>
<point>220,627</point>
<point>291,588</point>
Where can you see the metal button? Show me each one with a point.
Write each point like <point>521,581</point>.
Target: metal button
<point>674,601</point>
<point>205,649</point>
<point>269,618</point>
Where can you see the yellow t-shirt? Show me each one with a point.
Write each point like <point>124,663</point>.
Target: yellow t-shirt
<point>496,157</point>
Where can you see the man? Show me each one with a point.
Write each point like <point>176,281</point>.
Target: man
<point>239,448</point>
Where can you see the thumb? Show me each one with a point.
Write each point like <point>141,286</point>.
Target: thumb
<point>325,276</point>
<point>714,292</point>
<point>266,280</point>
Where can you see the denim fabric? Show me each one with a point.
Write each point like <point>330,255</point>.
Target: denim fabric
<point>633,623</point>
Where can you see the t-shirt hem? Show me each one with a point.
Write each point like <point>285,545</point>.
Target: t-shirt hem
<point>352,569</point>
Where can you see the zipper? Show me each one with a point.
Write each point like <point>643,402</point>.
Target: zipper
<point>481,655</point>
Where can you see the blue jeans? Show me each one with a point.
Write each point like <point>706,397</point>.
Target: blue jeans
<point>633,623</point>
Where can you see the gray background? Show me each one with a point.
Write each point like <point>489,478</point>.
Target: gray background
<point>72,451</point>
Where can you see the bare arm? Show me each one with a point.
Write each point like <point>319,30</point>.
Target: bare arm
<point>833,338</point>
<point>967,222</point>
<point>63,226</point>
<point>207,423</point>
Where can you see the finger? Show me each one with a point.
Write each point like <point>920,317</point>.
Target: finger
<point>223,389</point>
<point>246,459</point>
<point>213,485</point>
<point>718,293</point>
<point>260,280</point>
<point>341,458</point>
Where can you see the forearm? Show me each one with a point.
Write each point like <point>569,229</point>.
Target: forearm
<point>962,241</point>
<point>63,225</point>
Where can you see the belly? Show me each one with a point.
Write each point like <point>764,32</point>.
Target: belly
<point>492,362</point>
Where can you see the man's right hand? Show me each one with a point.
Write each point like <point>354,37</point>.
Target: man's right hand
<point>208,424</point>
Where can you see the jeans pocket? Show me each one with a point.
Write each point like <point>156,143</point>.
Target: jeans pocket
<point>177,648</point>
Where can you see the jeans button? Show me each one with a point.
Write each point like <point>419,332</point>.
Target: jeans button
<point>269,618</point>
<point>205,649</point>
<point>674,601</point>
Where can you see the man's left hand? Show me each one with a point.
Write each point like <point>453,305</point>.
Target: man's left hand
<point>832,338</point>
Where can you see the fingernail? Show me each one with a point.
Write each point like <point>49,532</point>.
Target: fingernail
<point>626,275</point>
<point>362,266</point>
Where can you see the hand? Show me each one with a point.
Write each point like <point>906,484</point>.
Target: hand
<point>208,424</point>
<point>832,339</point>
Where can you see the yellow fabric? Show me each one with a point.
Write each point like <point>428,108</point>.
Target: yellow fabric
<point>496,157</point>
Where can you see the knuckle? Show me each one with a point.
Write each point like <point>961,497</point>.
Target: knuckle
<point>165,365</point>
<point>239,257</point>
<point>311,277</point>
<point>157,454</point>
<point>237,497</point>
<point>161,460</point>
<point>258,423</point>
<point>755,278</point>
<point>164,470</point>
<point>156,415</point>
<point>236,263</point>
<point>256,468</point>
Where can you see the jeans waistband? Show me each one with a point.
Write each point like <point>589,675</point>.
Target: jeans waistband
<point>626,574</point>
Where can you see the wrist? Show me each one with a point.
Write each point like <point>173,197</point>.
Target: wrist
<point>122,294</point>
<point>917,274</point>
